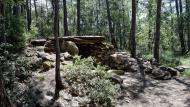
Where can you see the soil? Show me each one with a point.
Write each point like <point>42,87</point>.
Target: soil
<point>136,91</point>
<point>148,92</point>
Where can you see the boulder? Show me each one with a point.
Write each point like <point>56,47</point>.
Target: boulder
<point>46,66</point>
<point>131,61</point>
<point>66,55</point>
<point>47,56</point>
<point>134,67</point>
<point>70,47</point>
<point>62,59</point>
<point>116,79</point>
<point>38,42</point>
<point>49,46</point>
<point>172,71</point>
<point>67,62</point>
<point>40,48</point>
<point>147,67</point>
<point>161,74</point>
<point>180,68</point>
<point>119,58</point>
<point>118,72</point>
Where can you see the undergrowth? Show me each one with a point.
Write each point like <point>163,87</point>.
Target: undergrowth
<point>91,81</point>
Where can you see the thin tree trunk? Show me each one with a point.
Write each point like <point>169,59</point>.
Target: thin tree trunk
<point>16,9</point>
<point>157,36</point>
<point>59,85</point>
<point>2,20</point>
<point>188,22</point>
<point>133,30</point>
<point>66,31</point>
<point>28,7</point>
<point>36,12</point>
<point>180,25</point>
<point>111,30</point>
<point>78,18</point>
<point>150,35</point>
<point>172,27</point>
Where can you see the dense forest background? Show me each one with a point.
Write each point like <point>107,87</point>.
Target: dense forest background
<point>24,20</point>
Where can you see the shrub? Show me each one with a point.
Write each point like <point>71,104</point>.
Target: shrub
<point>91,81</point>
<point>169,59</point>
<point>16,74</point>
<point>186,73</point>
<point>15,32</point>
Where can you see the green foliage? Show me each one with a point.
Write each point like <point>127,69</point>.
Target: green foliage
<point>32,33</point>
<point>186,73</point>
<point>169,59</point>
<point>15,32</point>
<point>16,73</point>
<point>91,81</point>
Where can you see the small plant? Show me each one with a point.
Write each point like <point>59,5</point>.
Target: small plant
<point>169,59</point>
<point>91,81</point>
<point>186,73</point>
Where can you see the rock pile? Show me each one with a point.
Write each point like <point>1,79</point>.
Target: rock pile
<point>123,61</point>
<point>80,45</point>
<point>94,46</point>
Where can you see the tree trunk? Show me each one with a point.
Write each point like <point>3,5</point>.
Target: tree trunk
<point>66,31</point>
<point>36,12</point>
<point>133,30</point>
<point>188,21</point>
<point>180,25</point>
<point>150,24</point>
<point>59,85</point>
<point>16,9</point>
<point>78,18</point>
<point>28,11</point>
<point>2,20</point>
<point>172,27</point>
<point>157,36</point>
<point>111,30</point>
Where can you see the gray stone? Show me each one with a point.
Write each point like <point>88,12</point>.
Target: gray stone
<point>118,72</point>
<point>180,68</point>
<point>46,65</point>
<point>160,74</point>
<point>70,47</point>
<point>116,79</point>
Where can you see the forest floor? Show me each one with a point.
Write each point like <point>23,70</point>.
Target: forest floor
<point>149,92</point>
<point>136,91</point>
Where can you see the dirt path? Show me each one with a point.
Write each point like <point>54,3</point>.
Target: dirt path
<point>154,93</point>
<point>136,91</point>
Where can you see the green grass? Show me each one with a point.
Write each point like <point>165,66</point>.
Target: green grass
<point>185,61</point>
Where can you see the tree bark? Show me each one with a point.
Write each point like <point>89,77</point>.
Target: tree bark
<point>59,85</point>
<point>35,8</point>
<point>133,30</point>
<point>2,20</point>
<point>188,21</point>
<point>66,31</point>
<point>78,17</point>
<point>16,9</point>
<point>28,11</point>
<point>150,24</point>
<point>157,36</point>
<point>111,29</point>
<point>180,25</point>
